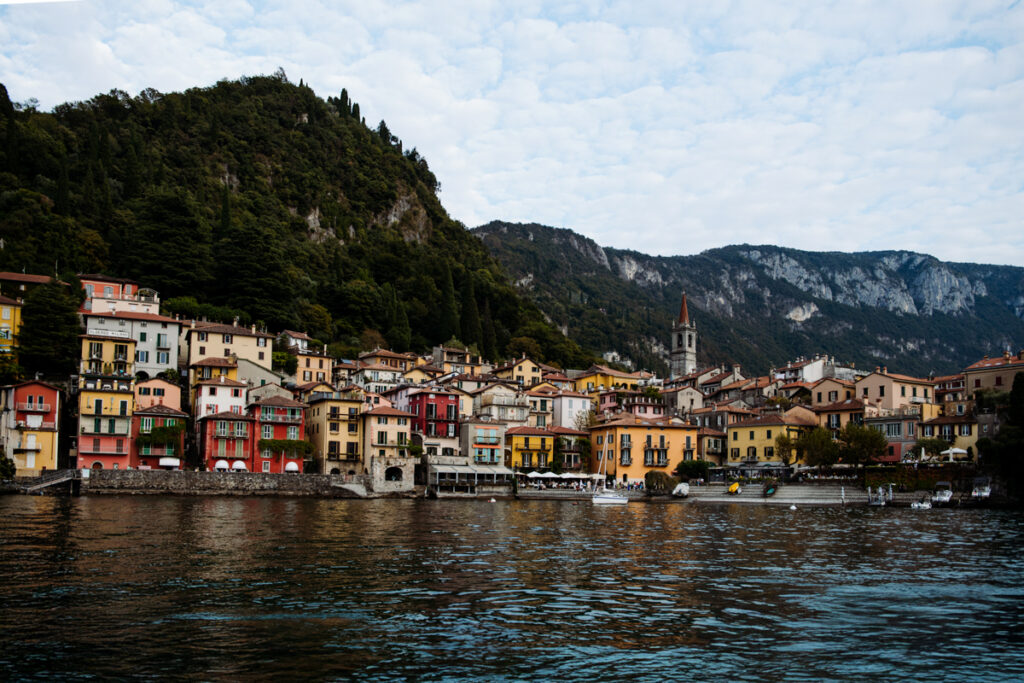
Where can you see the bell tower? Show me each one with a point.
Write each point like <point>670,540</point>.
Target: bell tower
<point>684,344</point>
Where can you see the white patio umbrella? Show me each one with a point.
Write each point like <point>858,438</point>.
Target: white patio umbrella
<point>953,451</point>
<point>550,475</point>
<point>569,475</point>
<point>534,475</point>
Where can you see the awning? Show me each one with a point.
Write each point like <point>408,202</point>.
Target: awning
<point>239,465</point>
<point>569,475</point>
<point>496,470</point>
<point>171,462</point>
<point>550,475</point>
<point>291,467</point>
<point>444,469</point>
<point>534,475</point>
<point>222,465</point>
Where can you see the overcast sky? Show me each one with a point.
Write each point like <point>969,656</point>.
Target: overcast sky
<point>667,127</point>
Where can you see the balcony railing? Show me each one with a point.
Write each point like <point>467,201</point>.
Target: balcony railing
<point>34,407</point>
<point>626,461</point>
<point>486,440</point>
<point>118,431</point>
<point>343,456</point>
<point>271,417</point>
<point>108,450</point>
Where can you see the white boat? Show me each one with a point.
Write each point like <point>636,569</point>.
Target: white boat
<point>682,490</point>
<point>982,489</point>
<point>923,504</point>
<point>605,496</point>
<point>943,493</point>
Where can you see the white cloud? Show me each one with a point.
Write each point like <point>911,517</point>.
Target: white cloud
<point>665,127</point>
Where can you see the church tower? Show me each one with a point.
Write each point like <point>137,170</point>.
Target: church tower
<point>684,344</point>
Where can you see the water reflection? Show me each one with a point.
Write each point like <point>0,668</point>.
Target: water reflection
<point>250,587</point>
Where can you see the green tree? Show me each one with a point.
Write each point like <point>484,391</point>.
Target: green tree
<point>449,319</point>
<point>472,332</point>
<point>818,448</point>
<point>784,447</point>
<point>860,445</point>
<point>692,469</point>
<point>932,446</point>
<point>48,341</point>
<point>8,468</point>
<point>488,341</point>
<point>285,362</point>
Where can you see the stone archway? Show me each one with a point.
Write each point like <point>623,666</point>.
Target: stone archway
<point>393,474</point>
<point>335,470</point>
<point>97,465</point>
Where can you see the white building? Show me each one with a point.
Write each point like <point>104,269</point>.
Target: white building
<point>156,337</point>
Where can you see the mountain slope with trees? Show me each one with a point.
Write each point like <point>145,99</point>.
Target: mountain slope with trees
<point>762,306</point>
<point>257,199</point>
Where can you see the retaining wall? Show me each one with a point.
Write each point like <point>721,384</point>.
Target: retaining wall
<point>216,483</point>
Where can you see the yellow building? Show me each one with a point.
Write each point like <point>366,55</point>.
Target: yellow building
<point>529,448</point>
<point>106,402</point>
<point>960,431</point>
<point>214,340</point>
<point>627,448</point>
<point>334,425</point>
<point>524,372</point>
<point>598,378</point>
<point>31,421</point>
<point>753,441</point>
<point>10,323</point>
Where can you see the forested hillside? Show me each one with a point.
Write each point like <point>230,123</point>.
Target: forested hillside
<point>256,198</point>
<point>765,305</point>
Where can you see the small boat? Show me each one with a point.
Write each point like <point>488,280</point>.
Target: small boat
<point>769,490</point>
<point>876,500</point>
<point>735,489</point>
<point>682,490</point>
<point>923,504</point>
<point>605,496</point>
<point>982,489</point>
<point>943,493</point>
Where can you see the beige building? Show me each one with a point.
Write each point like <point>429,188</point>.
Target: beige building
<point>993,373</point>
<point>386,454</point>
<point>889,391</point>
<point>334,425</point>
<point>214,340</point>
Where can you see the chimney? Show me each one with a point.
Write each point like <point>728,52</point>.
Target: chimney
<point>885,370</point>
<point>254,328</point>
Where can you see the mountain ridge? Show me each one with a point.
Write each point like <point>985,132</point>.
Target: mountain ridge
<point>913,310</point>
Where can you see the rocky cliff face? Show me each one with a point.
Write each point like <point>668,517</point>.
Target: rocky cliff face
<point>761,305</point>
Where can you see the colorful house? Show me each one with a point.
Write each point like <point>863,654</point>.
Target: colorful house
<point>435,425</point>
<point>993,373</point>
<point>226,441</point>
<point>334,425</point>
<point>214,340</point>
<point>158,437</point>
<point>569,446</point>
<point>960,431</point>
<point>901,430</point>
<point>156,391</point>
<point>156,337</point>
<point>629,447</point>
<point>386,442</point>
<point>835,416</point>
<point>279,426</point>
<point>752,441</point>
<point>529,447</point>
<point>483,441</point>
<point>10,323</point>
<point>525,372</point>
<point>890,391</point>
<point>107,294</point>
<point>106,402</point>
<point>32,418</point>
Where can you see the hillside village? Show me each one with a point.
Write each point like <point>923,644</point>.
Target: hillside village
<point>159,392</point>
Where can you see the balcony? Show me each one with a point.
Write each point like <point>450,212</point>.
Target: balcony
<point>118,431</point>
<point>284,419</point>
<point>486,441</point>
<point>343,456</point>
<point>34,407</point>
<point>102,450</point>
<point>626,461</point>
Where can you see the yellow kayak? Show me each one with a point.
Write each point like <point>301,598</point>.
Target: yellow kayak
<point>734,487</point>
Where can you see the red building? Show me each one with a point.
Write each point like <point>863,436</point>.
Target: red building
<point>225,441</point>
<point>279,431</point>
<point>436,412</point>
<point>158,437</point>
<point>33,426</point>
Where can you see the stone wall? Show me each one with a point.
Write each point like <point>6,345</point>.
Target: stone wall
<point>216,483</point>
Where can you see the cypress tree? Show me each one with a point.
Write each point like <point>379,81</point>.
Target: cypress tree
<point>449,313</point>
<point>471,328</point>
<point>487,337</point>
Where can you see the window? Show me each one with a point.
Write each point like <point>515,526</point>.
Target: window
<point>147,425</point>
<point>965,430</point>
<point>239,449</point>
<point>266,465</point>
<point>893,429</point>
<point>142,356</point>
<point>261,342</point>
<point>143,391</point>
<point>142,336</point>
<point>163,358</point>
<point>903,390</point>
<point>977,383</point>
<point>999,380</point>
<point>751,436</point>
<point>268,431</point>
<point>293,433</point>
<point>158,391</point>
<point>881,391</point>
<point>211,391</point>
<point>240,430</point>
<point>202,350</point>
<point>228,338</point>
<point>769,452</point>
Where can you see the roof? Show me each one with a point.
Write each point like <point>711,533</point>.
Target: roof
<point>24,277</point>
<point>160,409</point>
<point>717,378</point>
<point>131,315</point>
<point>279,401</point>
<point>216,362</point>
<point>708,431</point>
<point>848,404</point>
<point>227,415</point>
<point>528,431</point>
<point>309,385</point>
<point>555,377</point>
<point>567,431</point>
<point>9,301</point>
<point>797,385</point>
<point>384,353</point>
<point>220,328</point>
<point>844,382</point>
<point>379,366</point>
<point>987,363</point>
<point>105,278</point>
<point>949,378</point>
<point>950,419</point>
<point>104,337</point>
<point>297,335</point>
<point>774,419</point>
<point>684,313</point>
<point>223,381</point>
<point>389,411</point>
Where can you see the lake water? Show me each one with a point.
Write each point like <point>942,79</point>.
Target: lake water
<point>248,588</point>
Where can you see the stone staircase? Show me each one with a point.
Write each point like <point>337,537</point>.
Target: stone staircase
<point>49,479</point>
<point>786,494</point>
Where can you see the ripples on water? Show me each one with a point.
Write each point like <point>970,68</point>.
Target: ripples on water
<point>224,588</point>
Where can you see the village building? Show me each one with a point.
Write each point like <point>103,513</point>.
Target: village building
<point>106,400</point>
<point>158,437</point>
<point>30,428</point>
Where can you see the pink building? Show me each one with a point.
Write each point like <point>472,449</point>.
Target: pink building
<point>279,431</point>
